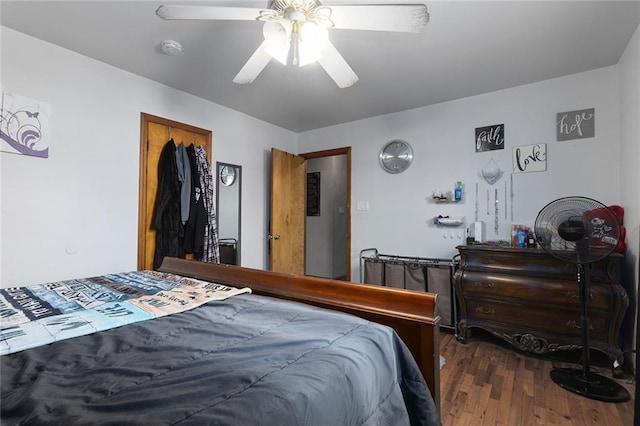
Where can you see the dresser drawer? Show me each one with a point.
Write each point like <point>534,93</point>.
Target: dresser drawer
<point>535,262</point>
<point>559,323</point>
<point>534,290</point>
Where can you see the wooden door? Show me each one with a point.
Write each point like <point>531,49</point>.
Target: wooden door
<point>155,132</point>
<point>288,218</point>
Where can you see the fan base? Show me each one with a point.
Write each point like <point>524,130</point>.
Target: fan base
<point>594,386</point>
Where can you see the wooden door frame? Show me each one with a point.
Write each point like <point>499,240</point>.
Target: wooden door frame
<point>330,153</point>
<point>145,119</point>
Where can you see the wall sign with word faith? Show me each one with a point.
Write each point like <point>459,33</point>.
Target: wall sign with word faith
<point>490,138</point>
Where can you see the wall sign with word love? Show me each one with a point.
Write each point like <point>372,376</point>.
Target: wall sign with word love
<point>576,124</point>
<point>490,138</point>
<point>530,158</point>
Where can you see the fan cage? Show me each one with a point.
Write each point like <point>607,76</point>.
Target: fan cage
<point>601,236</point>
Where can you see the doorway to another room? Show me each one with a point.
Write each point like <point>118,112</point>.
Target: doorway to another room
<point>314,241</point>
<point>326,217</point>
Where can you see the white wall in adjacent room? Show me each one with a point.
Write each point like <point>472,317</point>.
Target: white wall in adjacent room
<point>326,253</point>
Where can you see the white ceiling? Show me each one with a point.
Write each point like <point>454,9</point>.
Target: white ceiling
<point>467,48</point>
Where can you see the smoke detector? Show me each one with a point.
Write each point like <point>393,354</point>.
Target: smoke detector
<point>171,47</point>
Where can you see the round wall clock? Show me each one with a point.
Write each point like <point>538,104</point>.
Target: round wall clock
<point>227,175</point>
<point>396,156</point>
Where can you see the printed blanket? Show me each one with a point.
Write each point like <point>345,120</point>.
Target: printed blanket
<point>41,314</point>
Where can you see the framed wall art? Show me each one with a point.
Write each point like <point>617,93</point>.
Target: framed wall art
<point>313,194</point>
<point>530,158</point>
<point>490,138</point>
<point>24,125</point>
<point>578,124</point>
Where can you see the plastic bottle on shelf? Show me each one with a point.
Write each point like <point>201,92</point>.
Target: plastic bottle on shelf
<point>458,191</point>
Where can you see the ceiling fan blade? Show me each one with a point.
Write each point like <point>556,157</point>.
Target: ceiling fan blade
<point>254,66</point>
<point>337,68</point>
<point>381,17</point>
<point>208,12</point>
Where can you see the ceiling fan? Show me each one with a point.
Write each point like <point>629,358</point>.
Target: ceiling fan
<point>295,31</point>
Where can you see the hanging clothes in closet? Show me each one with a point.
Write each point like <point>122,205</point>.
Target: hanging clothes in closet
<point>211,249</point>
<point>166,213</point>
<point>197,221</point>
<point>183,167</point>
<point>184,213</point>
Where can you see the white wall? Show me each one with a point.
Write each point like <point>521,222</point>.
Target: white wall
<point>85,194</point>
<point>629,68</point>
<point>326,233</point>
<point>84,197</point>
<point>400,218</point>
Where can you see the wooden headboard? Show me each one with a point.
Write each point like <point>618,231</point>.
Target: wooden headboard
<point>410,314</point>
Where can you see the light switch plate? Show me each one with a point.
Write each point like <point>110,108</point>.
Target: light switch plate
<point>362,206</point>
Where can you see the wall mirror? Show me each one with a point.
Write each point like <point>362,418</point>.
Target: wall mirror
<point>229,203</point>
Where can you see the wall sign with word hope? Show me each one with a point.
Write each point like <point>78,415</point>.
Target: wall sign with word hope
<point>576,124</point>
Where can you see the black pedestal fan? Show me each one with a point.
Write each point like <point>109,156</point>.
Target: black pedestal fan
<point>581,231</point>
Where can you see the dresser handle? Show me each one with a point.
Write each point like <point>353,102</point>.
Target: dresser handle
<point>575,324</point>
<point>572,294</point>
<point>485,285</point>
<point>483,310</point>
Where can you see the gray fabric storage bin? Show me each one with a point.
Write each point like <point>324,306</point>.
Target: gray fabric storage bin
<point>374,271</point>
<point>439,281</point>
<point>394,274</point>
<point>414,278</point>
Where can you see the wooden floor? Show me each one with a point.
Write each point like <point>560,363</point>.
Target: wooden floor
<point>484,382</point>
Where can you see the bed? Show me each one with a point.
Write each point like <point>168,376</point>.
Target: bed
<point>249,359</point>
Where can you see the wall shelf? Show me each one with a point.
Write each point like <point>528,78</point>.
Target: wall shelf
<point>447,196</point>
<point>449,221</point>
<point>444,200</point>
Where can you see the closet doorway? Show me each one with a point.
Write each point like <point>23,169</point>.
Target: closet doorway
<point>155,132</point>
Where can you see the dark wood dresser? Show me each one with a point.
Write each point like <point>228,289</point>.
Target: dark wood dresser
<point>532,300</point>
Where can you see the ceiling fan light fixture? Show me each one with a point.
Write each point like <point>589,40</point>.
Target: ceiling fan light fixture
<point>312,41</point>
<point>277,34</point>
<point>295,15</point>
<point>322,15</point>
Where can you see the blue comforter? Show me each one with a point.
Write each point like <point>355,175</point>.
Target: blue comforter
<point>247,360</point>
